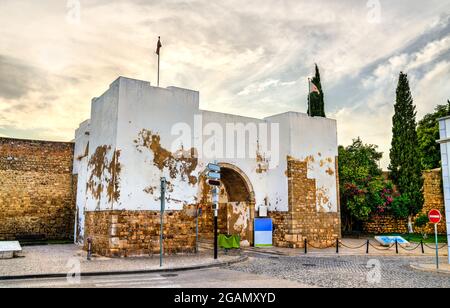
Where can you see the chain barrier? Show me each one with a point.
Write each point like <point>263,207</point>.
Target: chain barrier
<point>381,249</point>
<point>368,244</point>
<point>359,247</point>
<point>328,247</point>
<point>409,249</point>
<point>434,246</point>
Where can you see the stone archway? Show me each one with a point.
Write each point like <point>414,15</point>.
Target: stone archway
<point>236,204</point>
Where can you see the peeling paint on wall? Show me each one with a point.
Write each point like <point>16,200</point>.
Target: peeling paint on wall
<point>262,163</point>
<point>182,163</point>
<point>104,173</point>
<point>240,218</point>
<point>323,199</point>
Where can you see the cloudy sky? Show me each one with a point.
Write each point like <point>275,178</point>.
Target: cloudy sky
<point>245,57</point>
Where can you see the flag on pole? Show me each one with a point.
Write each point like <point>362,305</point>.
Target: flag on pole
<point>158,46</point>
<point>314,88</point>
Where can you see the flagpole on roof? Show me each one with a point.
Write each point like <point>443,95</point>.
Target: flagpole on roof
<point>158,52</point>
<point>309,96</point>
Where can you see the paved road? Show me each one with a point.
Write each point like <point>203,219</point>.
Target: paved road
<point>347,271</point>
<point>266,271</point>
<point>213,278</point>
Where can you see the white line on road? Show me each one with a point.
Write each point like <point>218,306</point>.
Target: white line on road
<point>142,283</point>
<point>122,280</point>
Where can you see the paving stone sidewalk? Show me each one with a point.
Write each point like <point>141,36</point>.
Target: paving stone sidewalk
<point>60,259</point>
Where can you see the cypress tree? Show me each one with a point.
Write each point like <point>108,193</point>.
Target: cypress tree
<point>316,100</point>
<point>405,167</point>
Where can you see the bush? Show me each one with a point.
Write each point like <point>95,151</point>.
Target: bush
<point>400,206</point>
<point>421,221</point>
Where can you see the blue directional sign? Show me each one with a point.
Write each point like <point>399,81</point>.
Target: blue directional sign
<point>214,168</point>
<point>214,175</point>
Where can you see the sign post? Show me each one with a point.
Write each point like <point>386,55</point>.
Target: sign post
<point>435,218</point>
<point>199,213</point>
<point>214,181</point>
<point>163,205</point>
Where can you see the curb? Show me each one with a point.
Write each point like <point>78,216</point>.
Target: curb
<point>133,272</point>
<point>427,270</point>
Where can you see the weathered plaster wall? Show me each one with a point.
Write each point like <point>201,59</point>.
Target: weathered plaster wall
<point>36,190</point>
<point>103,153</point>
<point>135,140</point>
<point>80,169</point>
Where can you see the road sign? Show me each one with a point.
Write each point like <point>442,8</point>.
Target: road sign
<point>435,216</point>
<point>214,167</point>
<point>214,182</point>
<point>214,175</point>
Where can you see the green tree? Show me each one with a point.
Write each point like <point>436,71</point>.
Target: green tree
<point>316,102</point>
<point>405,167</point>
<point>362,186</point>
<point>428,133</point>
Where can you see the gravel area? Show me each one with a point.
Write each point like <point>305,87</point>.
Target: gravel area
<point>347,271</point>
<point>62,258</point>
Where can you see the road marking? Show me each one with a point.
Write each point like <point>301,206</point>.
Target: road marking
<point>142,283</point>
<point>123,280</point>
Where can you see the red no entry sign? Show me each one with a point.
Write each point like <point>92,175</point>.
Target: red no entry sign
<point>435,216</point>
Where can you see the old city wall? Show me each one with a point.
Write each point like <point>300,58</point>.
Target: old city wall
<point>36,190</point>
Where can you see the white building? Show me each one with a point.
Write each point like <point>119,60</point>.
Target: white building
<point>138,133</point>
<point>444,128</point>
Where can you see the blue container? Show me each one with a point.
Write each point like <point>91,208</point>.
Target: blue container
<point>263,232</point>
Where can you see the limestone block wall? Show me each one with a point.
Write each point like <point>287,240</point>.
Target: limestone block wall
<point>433,199</point>
<point>133,233</point>
<point>304,220</point>
<point>36,190</point>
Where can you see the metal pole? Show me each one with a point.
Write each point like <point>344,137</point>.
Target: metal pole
<point>159,55</point>
<point>309,96</point>
<point>367,248</point>
<point>437,245</point>
<point>89,254</point>
<point>196,232</point>
<point>216,214</point>
<point>161,236</point>
<point>396,246</point>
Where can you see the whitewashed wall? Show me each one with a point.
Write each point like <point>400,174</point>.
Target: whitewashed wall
<point>80,169</point>
<point>444,128</point>
<point>131,106</point>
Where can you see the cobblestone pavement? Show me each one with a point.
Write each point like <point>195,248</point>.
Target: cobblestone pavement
<point>58,259</point>
<point>346,271</point>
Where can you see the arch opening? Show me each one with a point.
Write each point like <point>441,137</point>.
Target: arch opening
<point>236,204</point>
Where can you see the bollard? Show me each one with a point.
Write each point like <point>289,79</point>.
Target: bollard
<point>306,246</point>
<point>367,249</point>
<point>337,245</point>
<point>396,246</point>
<point>89,252</point>
<point>421,244</point>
